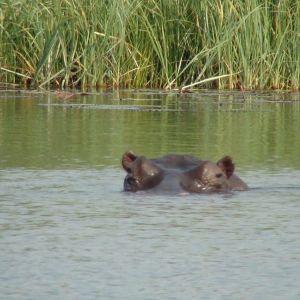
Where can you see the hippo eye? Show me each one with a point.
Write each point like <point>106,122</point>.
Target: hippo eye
<point>219,175</point>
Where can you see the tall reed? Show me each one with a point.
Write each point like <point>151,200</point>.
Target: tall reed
<point>250,44</point>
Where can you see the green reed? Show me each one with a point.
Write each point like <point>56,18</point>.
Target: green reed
<point>247,44</point>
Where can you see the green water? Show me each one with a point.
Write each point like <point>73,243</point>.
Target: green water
<point>256,130</point>
<point>67,231</point>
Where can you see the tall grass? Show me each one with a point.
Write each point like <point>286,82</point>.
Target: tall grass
<point>249,44</point>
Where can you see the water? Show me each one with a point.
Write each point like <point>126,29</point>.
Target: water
<point>67,230</point>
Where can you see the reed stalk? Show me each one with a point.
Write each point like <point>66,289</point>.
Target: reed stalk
<point>173,44</point>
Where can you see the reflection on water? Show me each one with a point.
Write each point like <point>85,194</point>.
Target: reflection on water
<point>51,133</point>
<point>68,231</point>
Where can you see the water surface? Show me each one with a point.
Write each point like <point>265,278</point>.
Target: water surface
<point>68,231</point>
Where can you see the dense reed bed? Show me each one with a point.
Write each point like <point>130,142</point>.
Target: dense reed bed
<point>250,44</point>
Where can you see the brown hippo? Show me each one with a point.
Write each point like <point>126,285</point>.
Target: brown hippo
<point>180,173</point>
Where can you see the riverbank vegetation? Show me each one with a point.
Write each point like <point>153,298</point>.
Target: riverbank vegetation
<point>251,44</point>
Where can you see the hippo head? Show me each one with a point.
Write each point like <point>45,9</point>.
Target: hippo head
<point>180,172</point>
<point>209,176</point>
<point>142,174</point>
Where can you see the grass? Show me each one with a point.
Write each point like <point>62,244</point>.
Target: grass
<point>172,44</point>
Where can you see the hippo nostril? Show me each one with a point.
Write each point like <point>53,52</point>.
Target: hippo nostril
<point>131,180</point>
<point>130,183</point>
<point>219,175</point>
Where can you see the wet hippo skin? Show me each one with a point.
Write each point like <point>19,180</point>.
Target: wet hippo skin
<point>179,173</point>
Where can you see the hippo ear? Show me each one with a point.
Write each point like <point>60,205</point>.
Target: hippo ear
<point>127,159</point>
<point>227,165</point>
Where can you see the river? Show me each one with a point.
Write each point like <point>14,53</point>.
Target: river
<point>67,231</point>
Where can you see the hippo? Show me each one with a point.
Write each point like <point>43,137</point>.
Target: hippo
<point>180,173</point>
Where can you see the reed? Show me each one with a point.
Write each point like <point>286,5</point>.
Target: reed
<point>173,44</point>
